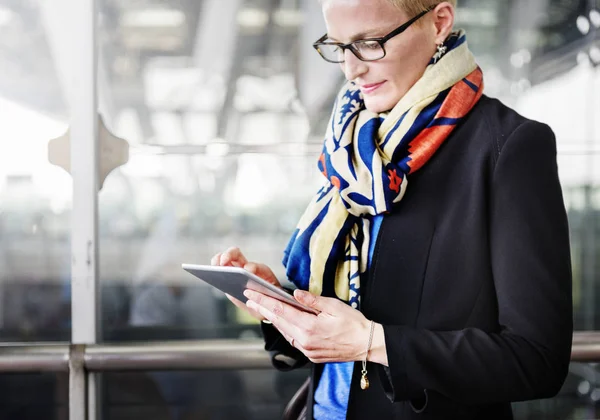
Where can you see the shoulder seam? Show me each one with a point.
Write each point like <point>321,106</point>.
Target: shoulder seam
<point>509,136</point>
<point>495,132</point>
<point>494,137</point>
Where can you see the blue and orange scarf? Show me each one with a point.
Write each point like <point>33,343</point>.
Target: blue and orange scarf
<point>366,161</point>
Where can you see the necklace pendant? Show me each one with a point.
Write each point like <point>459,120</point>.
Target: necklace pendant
<point>364,382</point>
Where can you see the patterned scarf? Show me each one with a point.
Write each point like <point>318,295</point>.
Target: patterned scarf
<point>366,160</point>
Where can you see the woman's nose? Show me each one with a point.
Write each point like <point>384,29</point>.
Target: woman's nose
<point>352,66</point>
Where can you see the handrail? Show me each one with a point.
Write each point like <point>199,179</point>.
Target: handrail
<point>176,355</point>
<point>184,355</point>
<point>34,358</point>
<point>179,355</point>
<point>586,347</point>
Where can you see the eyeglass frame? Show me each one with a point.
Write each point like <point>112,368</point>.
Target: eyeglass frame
<point>382,40</point>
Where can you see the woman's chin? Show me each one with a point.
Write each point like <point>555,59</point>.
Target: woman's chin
<point>379,104</point>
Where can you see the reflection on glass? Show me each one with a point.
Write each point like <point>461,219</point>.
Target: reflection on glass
<point>224,138</point>
<point>35,196</point>
<point>149,230</point>
<point>209,395</point>
<point>34,396</point>
<point>578,399</point>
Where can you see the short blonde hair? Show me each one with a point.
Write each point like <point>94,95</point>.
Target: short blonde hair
<point>414,7</point>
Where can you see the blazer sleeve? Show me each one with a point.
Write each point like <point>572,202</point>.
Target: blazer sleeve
<point>528,357</point>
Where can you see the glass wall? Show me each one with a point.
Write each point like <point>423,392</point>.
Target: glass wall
<point>206,95</point>
<point>215,394</point>
<point>35,195</point>
<point>219,156</point>
<point>34,396</point>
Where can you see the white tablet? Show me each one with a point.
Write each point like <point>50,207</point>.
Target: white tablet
<point>234,280</point>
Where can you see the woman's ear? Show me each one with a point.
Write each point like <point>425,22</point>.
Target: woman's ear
<point>443,16</point>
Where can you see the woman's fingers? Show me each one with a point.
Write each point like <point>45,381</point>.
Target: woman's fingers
<point>279,313</point>
<point>215,259</point>
<point>338,333</point>
<point>236,302</point>
<point>234,257</point>
<point>231,257</point>
<point>263,271</point>
<point>320,303</point>
<point>244,307</point>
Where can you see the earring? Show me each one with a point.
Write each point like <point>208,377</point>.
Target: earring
<point>441,50</point>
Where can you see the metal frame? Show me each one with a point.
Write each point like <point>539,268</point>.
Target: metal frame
<point>181,355</point>
<point>191,355</point>
<point>84,170</point>
<point>80,360</point>
<point>85,298</point>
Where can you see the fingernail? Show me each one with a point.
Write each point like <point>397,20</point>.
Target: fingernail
<point>299,294</point>
<point>248,293</point>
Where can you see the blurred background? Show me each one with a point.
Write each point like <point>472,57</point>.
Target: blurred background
<point>223,105</point>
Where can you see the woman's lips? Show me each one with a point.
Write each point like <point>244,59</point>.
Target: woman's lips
<point>371,88</point>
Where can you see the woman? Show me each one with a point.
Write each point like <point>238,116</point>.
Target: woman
<point>437,252</point>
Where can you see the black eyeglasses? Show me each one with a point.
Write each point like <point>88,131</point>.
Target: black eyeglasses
<point>370,49</point>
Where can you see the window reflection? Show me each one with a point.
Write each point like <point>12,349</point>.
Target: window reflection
<point>34,396</point>
<point>211,395</point>
<point>35,196</point>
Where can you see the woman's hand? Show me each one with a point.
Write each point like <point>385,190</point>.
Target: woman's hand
<point>338,334</point>
<point>233,257</point>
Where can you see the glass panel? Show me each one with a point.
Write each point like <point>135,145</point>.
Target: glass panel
<point>34,396</point>
<point>210,395</point>
<point>220,155</point>
<point>224,138</point>
<point>577,400</point>
<point>35,195</point>
<point>198,206</point>
<point>581,191</point>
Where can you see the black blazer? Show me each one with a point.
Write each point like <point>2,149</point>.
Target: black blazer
<point>471,279</point>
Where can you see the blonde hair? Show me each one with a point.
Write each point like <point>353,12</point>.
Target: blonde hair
<point>414,7</point>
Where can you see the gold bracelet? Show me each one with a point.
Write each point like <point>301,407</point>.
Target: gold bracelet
<point>364,381</point>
